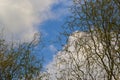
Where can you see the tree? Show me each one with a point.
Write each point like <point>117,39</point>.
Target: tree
<point>18,61</point>
<point>95,55</point>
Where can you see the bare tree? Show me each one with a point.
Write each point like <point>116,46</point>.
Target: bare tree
<point>18,61</point>
<point>95,55</point>
<point>100,18</point>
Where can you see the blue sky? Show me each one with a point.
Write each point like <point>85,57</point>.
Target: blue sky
<point>50,31</point>
<point>20,19</point>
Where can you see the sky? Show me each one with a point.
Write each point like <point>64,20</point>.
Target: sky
<point>20,19</point>
<point>51,29</point>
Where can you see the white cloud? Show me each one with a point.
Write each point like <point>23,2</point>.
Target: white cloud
<point>19,18</point>
<point>57,69</point>
<point>65,63</point>
<point>72,62</point>
<point>63,10</point>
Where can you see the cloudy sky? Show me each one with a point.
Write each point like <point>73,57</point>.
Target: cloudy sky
<point>20,19</point>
